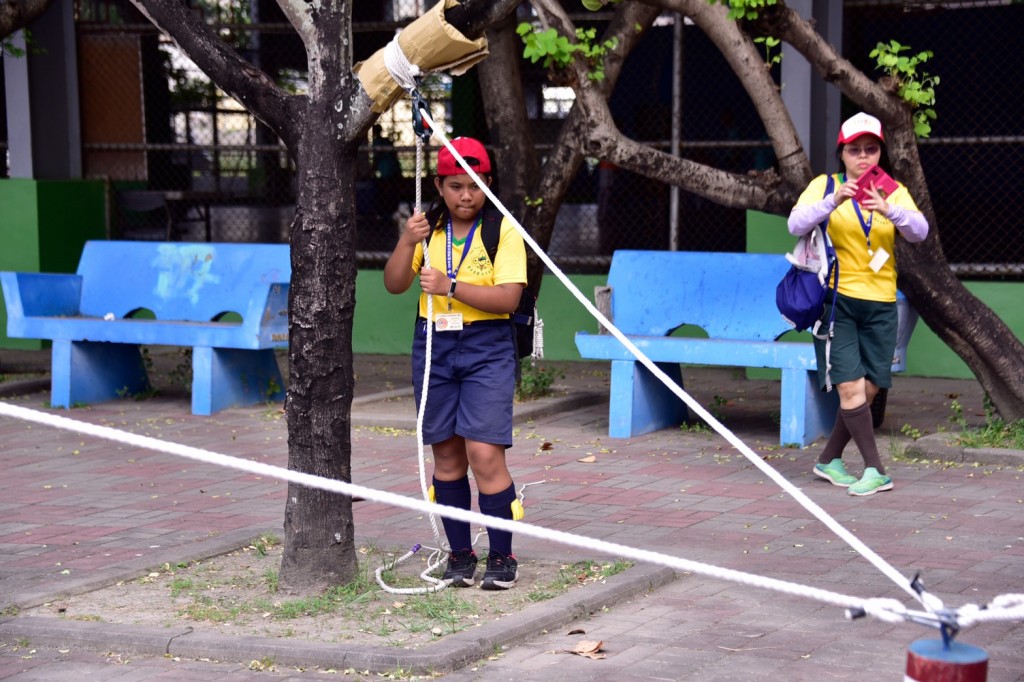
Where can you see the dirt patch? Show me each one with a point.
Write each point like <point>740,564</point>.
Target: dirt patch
<point>235,594</point>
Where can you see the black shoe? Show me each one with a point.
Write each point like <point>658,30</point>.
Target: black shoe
<point>502,571</point>
<point>461,568</point>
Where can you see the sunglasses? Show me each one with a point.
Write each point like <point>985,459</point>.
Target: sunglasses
<point>867,150</point>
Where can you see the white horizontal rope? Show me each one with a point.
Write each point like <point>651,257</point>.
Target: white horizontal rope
<point>371,494</point>
<point>930,602</point>
<point>890,610</point>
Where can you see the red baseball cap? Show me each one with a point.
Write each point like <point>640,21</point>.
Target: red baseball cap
<point>471,150</point>
<point>857,125</point>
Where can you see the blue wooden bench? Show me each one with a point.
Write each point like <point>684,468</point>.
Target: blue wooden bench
<point>731,296</point>
<point>96,319</point>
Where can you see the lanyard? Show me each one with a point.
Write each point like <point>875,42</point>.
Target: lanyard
<point>866,226</point>
<point>453,272</point>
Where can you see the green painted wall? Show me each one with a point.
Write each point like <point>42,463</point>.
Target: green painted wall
<point>927,355</point>
<point>43,226</point>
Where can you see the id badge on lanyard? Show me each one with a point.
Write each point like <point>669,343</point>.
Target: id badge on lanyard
<point>449,321</point>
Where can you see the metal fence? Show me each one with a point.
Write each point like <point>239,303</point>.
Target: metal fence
<point>184,161</point>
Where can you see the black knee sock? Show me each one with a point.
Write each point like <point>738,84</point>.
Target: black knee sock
<point>836,442</point>
<point>862,429</point>
<point>499,505</point>
<point>455,494</point>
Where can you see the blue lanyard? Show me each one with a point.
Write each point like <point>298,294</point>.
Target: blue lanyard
<point>453,273</point>
<point>866,226</point>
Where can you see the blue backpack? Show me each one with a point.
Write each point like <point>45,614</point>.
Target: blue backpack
<point>800,296</point>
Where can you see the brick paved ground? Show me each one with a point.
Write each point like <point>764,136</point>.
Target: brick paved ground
<point>79,512</point>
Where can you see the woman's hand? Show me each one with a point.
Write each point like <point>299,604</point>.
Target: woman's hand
<point>845,191</point>
<point>875,201</point>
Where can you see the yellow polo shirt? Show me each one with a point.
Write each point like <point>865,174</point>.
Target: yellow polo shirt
<point>475,268</point>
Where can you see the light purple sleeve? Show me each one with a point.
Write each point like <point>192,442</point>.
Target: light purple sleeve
<point>804,217</point>
<point>911,224</point>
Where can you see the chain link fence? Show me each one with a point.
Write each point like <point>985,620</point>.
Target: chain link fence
<point>183,161</point>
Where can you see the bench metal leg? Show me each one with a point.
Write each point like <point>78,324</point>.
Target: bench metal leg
<point>227,377</point>
<point>84,372</point>
<point>807,413</point>
<point>640,403</point>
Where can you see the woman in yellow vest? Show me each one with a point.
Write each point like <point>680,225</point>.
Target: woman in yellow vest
<point>863,221</point>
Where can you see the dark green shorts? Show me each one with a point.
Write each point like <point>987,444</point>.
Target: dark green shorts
<point>863,343</point>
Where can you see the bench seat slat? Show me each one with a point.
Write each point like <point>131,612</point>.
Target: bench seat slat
<point>722,352</point>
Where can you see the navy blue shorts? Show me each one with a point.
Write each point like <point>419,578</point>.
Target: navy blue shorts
<point>472,382</point>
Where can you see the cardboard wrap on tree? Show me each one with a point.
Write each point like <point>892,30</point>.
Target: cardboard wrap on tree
<point>430,43</point>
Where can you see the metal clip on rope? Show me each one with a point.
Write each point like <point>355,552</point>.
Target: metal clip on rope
<point>419,125</point>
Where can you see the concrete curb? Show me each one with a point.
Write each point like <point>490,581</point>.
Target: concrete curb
<point>939,446</point>
<point>24,387</point>
<point>445,655</point>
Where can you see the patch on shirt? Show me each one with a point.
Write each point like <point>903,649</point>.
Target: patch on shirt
<point>478,263</point>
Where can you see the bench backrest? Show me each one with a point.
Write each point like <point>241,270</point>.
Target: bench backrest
<point>729,295</point>
<point>180,280</point>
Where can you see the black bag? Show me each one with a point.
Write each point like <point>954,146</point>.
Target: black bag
<point>524,317</point>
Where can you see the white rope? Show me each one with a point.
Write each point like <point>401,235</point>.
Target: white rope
<point>401,69</point>
<point>437,557</point>
<point>929,601</point>
<point>1003,607</point>
<point>428,351</point>
<point>881,608</point>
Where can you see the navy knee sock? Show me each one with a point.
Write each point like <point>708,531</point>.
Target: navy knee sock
<point>499,505</point>
<point>455,494</point>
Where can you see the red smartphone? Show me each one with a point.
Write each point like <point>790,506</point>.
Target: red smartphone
<point>877,177</point>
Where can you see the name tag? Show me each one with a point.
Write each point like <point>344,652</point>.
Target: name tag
<point>878,260</point>
<point>448,322</point>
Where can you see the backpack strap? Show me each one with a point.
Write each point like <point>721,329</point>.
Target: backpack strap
<point>490,231</point>
<point>833,267</point>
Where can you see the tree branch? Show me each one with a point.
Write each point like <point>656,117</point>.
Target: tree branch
<point>606,141</point>
<point>472,17</point>
<point>256,91</point>
<point>17,14</point>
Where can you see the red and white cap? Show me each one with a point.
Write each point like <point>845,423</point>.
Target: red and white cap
<point>471,150</point>
<point>857,125</point>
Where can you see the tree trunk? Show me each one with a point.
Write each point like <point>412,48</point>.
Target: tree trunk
<point>965,324</point>
<point>319,549</point>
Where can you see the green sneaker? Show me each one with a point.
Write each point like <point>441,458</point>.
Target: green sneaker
<point>835,473</point>
<point>870,483</point>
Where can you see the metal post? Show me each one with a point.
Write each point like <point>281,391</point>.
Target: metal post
<point>677,116</point>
